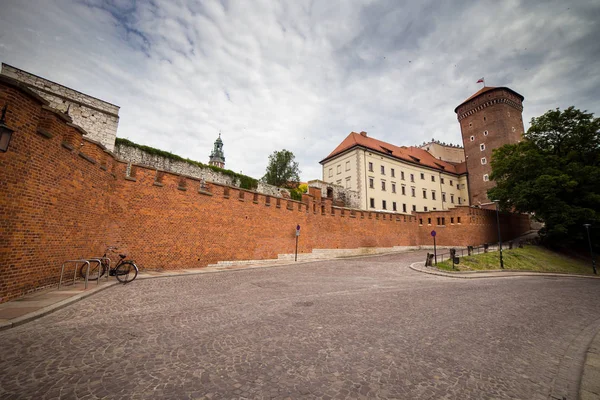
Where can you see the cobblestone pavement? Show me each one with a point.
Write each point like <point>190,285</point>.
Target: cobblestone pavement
<point>352,328</point>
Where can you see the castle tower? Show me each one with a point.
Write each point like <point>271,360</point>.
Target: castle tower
<point>489,119</point>
<point>217,158</point>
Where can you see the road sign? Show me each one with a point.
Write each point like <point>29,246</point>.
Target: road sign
<point>298,230</point>
<point>433,233</point>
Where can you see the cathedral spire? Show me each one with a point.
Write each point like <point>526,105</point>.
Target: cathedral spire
<point>217,157</point>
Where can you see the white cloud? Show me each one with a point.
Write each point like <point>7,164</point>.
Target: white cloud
<point>301,75</point>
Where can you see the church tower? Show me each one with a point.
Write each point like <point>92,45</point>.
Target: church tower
<point>217,158</point>
<point>489,119</point>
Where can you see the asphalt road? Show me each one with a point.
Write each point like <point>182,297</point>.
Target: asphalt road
<point>353,328</point>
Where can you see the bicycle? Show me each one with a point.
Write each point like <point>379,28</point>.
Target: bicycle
<point>125,271</point>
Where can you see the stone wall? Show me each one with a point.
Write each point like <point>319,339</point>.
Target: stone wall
<point>98,118</point>
<point>341,196</point>
<point>136,155</point>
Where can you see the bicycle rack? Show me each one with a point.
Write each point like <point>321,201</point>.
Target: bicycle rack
<point>62,271</point>
<point>99,261</point>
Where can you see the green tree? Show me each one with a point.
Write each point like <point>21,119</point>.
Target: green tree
<point>282,170</point>
<point>553,173</point>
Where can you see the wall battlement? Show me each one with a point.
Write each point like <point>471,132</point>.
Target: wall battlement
<point>65,196</point>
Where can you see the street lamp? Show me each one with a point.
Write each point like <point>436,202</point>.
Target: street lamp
<point>587,228</point>
<point>499,236</point>
<point>5,132</point>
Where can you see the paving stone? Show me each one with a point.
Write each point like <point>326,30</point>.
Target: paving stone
<point>352,328</point>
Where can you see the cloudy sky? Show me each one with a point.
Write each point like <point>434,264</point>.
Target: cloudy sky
<point>301,75</point>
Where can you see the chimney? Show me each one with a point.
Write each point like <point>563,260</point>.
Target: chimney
<point>363,133</point>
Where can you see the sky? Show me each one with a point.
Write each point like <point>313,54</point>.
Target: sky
<point>301,75</point>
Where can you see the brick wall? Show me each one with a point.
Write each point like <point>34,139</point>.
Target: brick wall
<point>65,197</point>
<point>99,118</point>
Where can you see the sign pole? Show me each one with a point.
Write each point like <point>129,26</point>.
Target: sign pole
<point>297,236</point>
<point>433,233</point>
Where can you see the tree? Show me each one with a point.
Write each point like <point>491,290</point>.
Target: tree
<point>282,170</point>
<point>553,173</point>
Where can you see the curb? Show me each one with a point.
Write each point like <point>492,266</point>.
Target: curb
<point>491,273</point>
<point>589,388</point>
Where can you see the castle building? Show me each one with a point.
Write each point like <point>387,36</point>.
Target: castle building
<point>433,176</point>
<point>397,179</point>
<point>98,118</point>
<point>488,119</point>
<point>217,158</point>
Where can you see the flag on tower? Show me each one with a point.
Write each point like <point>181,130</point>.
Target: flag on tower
<point>481,81</point>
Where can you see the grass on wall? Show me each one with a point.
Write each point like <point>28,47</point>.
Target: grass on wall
<point>244,181</point>
<point>529,258</point>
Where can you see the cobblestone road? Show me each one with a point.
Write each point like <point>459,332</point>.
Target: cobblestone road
<point>354,328</point>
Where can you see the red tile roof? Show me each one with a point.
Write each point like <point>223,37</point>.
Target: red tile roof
<point>486,89</point>
<point>410,154</point>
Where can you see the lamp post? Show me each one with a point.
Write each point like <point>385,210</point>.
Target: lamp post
<point>499,236</point>
<point>587,228</point>
<point>5,132</point>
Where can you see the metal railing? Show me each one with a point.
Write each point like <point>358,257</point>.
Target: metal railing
<point>62,271</point>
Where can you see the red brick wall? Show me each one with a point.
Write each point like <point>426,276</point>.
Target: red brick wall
<point>64,197</point>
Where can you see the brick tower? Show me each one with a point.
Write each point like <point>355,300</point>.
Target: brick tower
<point>489,119</point>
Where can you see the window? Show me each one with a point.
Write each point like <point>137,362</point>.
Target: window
<point>442,180</point>
<point>486,178</point>
<point>470,124</point>
<point>429,221</point>
<point>482,147</point>
<point>458,220</point>
<point>472,138</point>
<point>330,172</point>
<point>372,202</point>
<point>451,184</point>
<point>383,204</point>
<point>484,118</point>
<point>393,172</point>
<point>403,207</point>
<point>439,221</point>
<point>425,208</point>
<point>483,161</point>
<point>371,183</point>
<point>432,195</point>
<point>371,166</point>
<point>347,165</point>
<point>422,175</point>
<point>424,193</point>
<point>444,197</point>
<point>432,178</point>
<point>485,133</point>
<point>420,221</point>
<point>452,198</point>
<point>451,220</point>
<point>402,175</point>
<point>339,169</point>
<point>413,192</point>
<point>383,185</point>
<point>347,183</point>
<point>393,187</point>
<point>404,190</point>
<point>459,201</point>
<point>394,206</point>
<point>412,177</point>
<point>382,170</point>
<point>414,208</point>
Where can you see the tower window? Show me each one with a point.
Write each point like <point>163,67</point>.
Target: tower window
<point>483,161</point>
<point>393,172</point>
<point>485,133</point>
<point>422,175</point>
<point>482,147</point>
<point>412,177</point>
<point>472,138</point>
<point>371,166</point>
<point>382,170</point>
<point>486,178</point>
<point>442,180</point>
<point>432,178</point>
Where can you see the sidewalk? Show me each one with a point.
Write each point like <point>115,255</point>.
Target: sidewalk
<point>35,305</point>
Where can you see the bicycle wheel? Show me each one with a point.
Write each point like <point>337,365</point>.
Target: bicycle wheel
<point>96,271</point>
<point>126,272</point>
